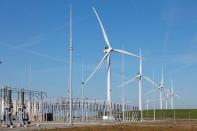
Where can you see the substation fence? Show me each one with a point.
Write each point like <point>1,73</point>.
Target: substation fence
<point>85,111</point>
<point>21,107</point>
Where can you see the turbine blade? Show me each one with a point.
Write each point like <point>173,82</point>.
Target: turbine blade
<point>172,87</point>
<point>102,28</point>
<point>129,81</point>
<point>151,81</point>
<point>125,52</point>
<point>162,77</point>
<point>97,67</point>
<point>178,96</point>
<point>140,69</point>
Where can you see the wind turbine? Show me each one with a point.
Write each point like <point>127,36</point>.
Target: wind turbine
<point>172,95</point>
<point>108,52</point>
<point>161,91</point>
<point>139,77</point>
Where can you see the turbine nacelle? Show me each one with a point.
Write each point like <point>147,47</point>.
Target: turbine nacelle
<point>171,94</point>
<point>107,49</point>
<point>139,76</point>
<point>161,87</point>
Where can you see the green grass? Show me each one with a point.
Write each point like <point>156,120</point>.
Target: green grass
<point>162,114</point>
<point>167,114</point>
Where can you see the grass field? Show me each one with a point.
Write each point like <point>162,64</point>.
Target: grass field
<point>169,114</point>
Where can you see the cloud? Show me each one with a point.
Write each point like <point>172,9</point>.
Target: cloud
<point>47,56</point>
<point>181,61</point>
<point>31,42</point>
<point>35,53</point>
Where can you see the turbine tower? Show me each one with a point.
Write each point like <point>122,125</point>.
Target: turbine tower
<point>172,95</point>
<point>161,91</point>
<point>140,83</point>
<point>108,52</point>
<point>166,100</point>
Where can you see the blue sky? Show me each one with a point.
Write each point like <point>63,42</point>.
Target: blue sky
<point>36,32</point>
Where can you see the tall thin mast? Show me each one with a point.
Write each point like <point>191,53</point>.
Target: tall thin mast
<point>30,88</point>
<point>30,81</point>
<point>70,66</point>
<point>154,95</point>
<point>123,91</point>
<point>82,90</point>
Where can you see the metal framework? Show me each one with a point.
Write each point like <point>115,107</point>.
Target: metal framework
<point>21,107</point>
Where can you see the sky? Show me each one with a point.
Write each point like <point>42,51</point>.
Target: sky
<point>36,33</point>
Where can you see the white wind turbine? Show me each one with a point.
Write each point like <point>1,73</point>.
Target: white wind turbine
<point>172,95</point>
<point>139,77</point>
<point>161,86</point>
<point>108,51</point>
<point>166,100</point>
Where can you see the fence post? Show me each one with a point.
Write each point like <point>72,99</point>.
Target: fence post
<point>174,116</point>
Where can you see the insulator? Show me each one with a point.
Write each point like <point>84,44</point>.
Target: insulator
<point>5,93</point>
<point>9,96</point>
<point>22,97</point>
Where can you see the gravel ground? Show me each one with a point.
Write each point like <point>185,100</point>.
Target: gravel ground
<point>144,126</point>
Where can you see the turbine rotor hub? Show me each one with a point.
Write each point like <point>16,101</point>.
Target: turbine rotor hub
<point>107,49</point>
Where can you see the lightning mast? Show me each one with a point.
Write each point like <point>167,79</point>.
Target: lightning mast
<point>70,67</point>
